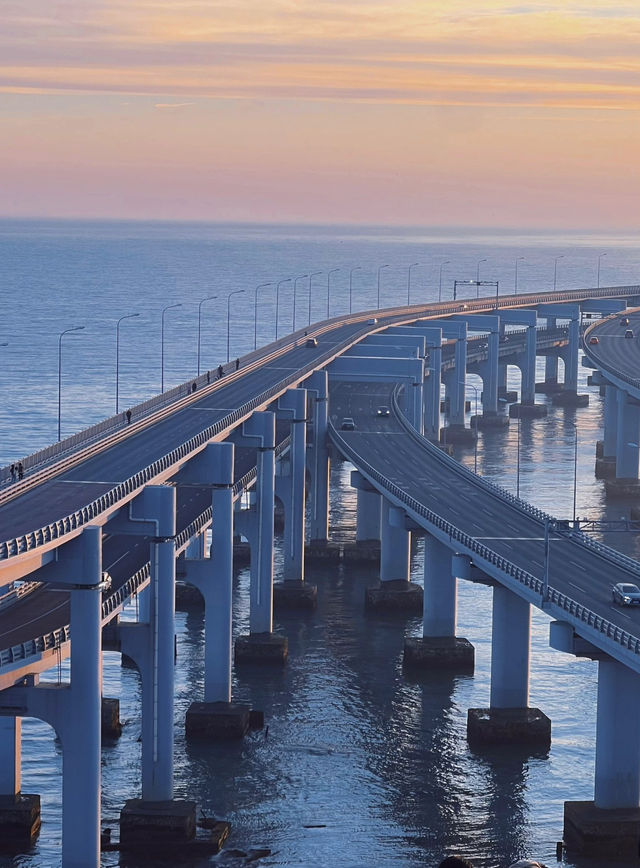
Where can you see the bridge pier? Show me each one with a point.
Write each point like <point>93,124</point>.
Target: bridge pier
<point>609,826</point>
<point>439,647</point>
<point>395,591</point>
<point>626,481</point>
<point>256,524</point>
<point>19,812</point>
<point>318,464</point>
<point>509,720</point>
<point>368,518</point>
<point>568,396</point>
<point>293,591</point>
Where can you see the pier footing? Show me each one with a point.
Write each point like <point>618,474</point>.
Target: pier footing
<point>493,726</point>
<point>549,387</point>
<point>261,648</point>
<point>528,411</point>
<point>292,594</point>
<point>490,420</point>
<point>154,826</point>
<point>395,596</point>
<point>439,652</point>
<point>605,468</point>
<point>188,596</point>
<point>322,551</point>
<point>570,399</point>
<point>602,833</point>
<point>221,721</point>
<point>367,551</point>
<point>622,488</point>
<point>111,727</point>
<point>509,395</point>
<point>19,820</point>
<point>457,434</point>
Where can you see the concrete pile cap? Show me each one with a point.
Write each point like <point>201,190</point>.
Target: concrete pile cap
<point>527,863</point>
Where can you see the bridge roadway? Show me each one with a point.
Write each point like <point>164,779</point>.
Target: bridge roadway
<point>482,511</point>
<point>614,352</point>
<point>27,506</point>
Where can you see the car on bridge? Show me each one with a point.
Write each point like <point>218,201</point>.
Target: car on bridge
<point>628,333</point>
<point>383,410</point>
<point>624,321</point>
<point>311,342</point>
<point>593,340</point>
<point>626,594</point>
<point>348,424</point>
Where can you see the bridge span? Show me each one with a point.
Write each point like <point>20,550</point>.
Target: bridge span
<point>68,564</point>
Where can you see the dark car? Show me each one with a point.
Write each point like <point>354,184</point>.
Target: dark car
<point>628,333</point>
<point>311,342</point>
<point>594,340</point>
<point>348,424</point>
<point>626,594</point>
<point>624,320</point>
<point>383,411</point>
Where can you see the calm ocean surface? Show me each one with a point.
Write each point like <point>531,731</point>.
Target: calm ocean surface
<point>361,766</point>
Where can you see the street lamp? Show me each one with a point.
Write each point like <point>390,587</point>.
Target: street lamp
<point>600,255</point>
<point>295,288</point>
<point>413,265</point>
<point>229,297</point>
<point>164,310</point>
<point>380,267</point>
<point>66,331</point>
<point>126,316</point>
<point>518,259</point>
<point>356,268</point>
<point>555,269</point>
<point>442,265</point>
<point>278,285</point>
<point>311,276</point>
<point>200,303</point>
<point>575,468</point>
<point>255,313</point>
<point>478,275</point>
<point>329,273</point>
<point>518,461</point>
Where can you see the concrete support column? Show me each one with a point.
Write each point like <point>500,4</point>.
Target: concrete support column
<point>10,755</point>
<point>416,416</point>
<point>81,731</point>
<point>261,593</point>
<point>617,772</point>
<point>628,428</point>
<point>571,357</point>
<point>490,377</point>
<point>319,460</point>
<point>502,376</point>
<point>440,590</point>
<point>528,368</point>
<point>510,641</point>
<point>394,545</point>
<point>610,421</point>
<point>431,394</point>
<point>551,362</point>
<point>157,687</point>
<point>293,554</point>
<point>368,518</point>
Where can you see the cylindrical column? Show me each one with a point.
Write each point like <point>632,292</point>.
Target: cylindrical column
<point>551,362</point>
<point>80,734</point>
<point>528,368</point>
<point>416,407</point>
<point>490,380</point>
<point>617,773</point>
<point>10,747</point>
<point>157,686</point>
<point>293,555</point>
<point>440,590</point>
<point>261,595</point>
<point>571,357</point>
<point>510,639</point>
<point>218,639</point>
<point>394,544</point>
<point>610,421</point>
<point>368,515</point>
<point>628,426</point>
<point>431,394</point>
<point>319,461</point>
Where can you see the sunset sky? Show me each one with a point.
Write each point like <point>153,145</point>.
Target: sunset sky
<point>487,113</point>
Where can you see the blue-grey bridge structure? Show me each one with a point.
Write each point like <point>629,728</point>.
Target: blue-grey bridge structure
<point>114,511</point>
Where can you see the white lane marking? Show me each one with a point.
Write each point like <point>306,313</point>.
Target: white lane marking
<point>577,587</point>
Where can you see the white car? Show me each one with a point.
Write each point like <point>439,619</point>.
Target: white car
<point>626,594</point>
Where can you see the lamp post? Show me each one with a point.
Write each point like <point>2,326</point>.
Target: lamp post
<point>478,277</point>
<point>380,267</point>
<point>126,316</point>
<point>442,265</point>
<point>555,270</point>
<point>311,276</point>
<point>200,303</point>
<point>65,332</point>
<point>413,265</point>
<point>518,259</point>
<point>518,461</point>
<point>329,273</point>
<point>600,255</point>
<point>278,285</point>
<point>295,289</point>
<point>255,313</point>
<point>356,268</point>
<point>164,310</point>
<point>575,469</point>
<point>229,297</point>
